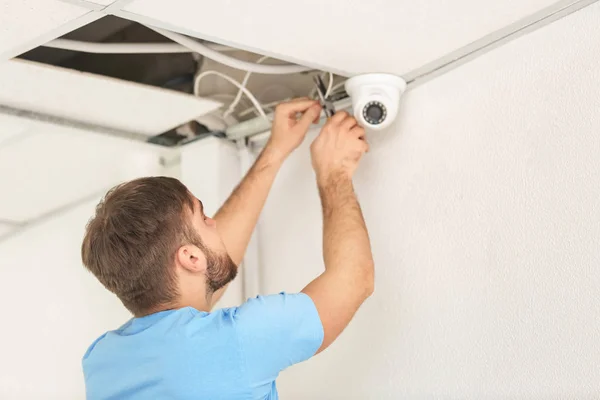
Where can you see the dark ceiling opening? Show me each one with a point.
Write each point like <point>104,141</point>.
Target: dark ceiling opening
<point>170,71</point>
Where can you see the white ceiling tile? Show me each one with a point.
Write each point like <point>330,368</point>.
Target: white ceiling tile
<point>25,21</point>
<point>54,167</point>
<point>351,37</point>
<point>102,2</point>
<point>96,99</point>
<point>11,128</point>
<point>5,228</point>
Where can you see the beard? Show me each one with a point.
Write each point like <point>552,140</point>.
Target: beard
<point>220,270</point>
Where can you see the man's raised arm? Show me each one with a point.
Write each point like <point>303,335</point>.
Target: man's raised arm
<point>348,279</point>
<point>238,216</point>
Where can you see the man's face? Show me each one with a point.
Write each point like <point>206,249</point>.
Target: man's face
<point>220,268</point>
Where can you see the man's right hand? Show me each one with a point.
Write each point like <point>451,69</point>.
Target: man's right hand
<point>337,150</point>
<point>349,270</point>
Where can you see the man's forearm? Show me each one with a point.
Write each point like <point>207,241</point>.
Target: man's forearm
<point>238,216</point>
<point>348,278</point>
<point>346,246</point>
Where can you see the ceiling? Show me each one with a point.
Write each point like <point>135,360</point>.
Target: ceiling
<point>25,24</point>
<point>103,2</point>
<point>5,228</point>
<point>394,36</point>
<point>95,99</point>
<point>44,168</point>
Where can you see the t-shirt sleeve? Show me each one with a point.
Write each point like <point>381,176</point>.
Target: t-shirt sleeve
<point>277,331</point>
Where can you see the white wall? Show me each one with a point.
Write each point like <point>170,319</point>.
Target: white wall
<point>52,310</point>
<point>211,169</point>
<point>52,307</point>
<point>482,205</point>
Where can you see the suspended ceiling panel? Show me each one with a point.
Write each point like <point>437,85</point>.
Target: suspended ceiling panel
<point>11,129</point>
<point>25,24</point>
<point>343,36</point>
<point>50,168</point>
<point>5,228</point>
<point>102,2</point>
<point>96,99</point>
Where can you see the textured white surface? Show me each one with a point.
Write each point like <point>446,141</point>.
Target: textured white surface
<point>483,209</point>
<point>210,169</point>
<point>5,228</point>
<point>58,309</point>
<point>11,129</point>
<point>25,21</point>
<point>71,308</point>
<point>347,36</point>
<point>102,2</point>
<point>49,168</point>
<point>96,99</point>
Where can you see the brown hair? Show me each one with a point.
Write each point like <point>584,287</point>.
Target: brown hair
<point>131,242</point>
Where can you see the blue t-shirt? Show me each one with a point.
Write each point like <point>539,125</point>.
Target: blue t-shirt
<point>232,353</point>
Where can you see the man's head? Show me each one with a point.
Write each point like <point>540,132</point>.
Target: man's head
<point>151,244</point>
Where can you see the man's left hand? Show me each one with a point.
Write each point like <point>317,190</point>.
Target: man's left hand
<point>288,130</point>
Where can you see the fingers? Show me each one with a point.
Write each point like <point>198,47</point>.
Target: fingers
<point>295,106</point>
<point>344,123</point>
<point>348,124</point>
<point>298,99</point>
<point>338,117</point>
<point>310,116</point>
<point>365,146</point>
<point>358,132</point>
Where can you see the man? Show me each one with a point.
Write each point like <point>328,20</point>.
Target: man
<point>151,244</point>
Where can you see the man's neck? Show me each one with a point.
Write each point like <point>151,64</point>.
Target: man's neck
<point>200,303</point>
<point>205,306</point>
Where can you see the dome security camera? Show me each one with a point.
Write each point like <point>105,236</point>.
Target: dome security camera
<point>375,99</point>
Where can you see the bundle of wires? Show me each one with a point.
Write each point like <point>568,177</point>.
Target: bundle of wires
<point>213,51</point>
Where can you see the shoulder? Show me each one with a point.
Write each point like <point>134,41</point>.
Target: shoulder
<point>274,332</point>
<point>281,302</point>
<point>290,316</point>
<point>98,340</point>
<point>92,346</point>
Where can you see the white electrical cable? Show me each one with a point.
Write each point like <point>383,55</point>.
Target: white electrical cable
<point>235,83</point>
<point>328,92</point>
<point>218,96</point>
<point>313,91</point>
<point>257,127</point>
<point>230,61</point>
<point>127,48</point>
<point>337,86</point>
<point>238,97</point>
<point>196,87</point>
<point>330,89</point>
<point>268,105</point>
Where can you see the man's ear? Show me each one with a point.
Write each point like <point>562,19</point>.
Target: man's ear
<point>191,258</point>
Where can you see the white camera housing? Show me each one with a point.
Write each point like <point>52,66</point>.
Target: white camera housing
<point>375,99</point>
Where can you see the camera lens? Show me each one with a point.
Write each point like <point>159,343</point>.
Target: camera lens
<point>374,113</point>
